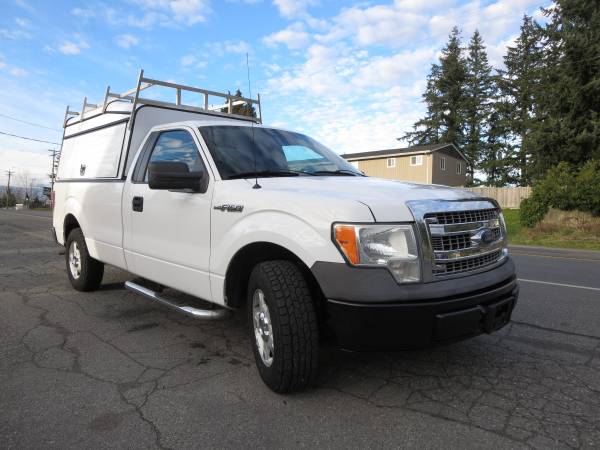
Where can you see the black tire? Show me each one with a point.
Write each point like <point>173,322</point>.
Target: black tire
<point>294,325</point>
<point>91,270</point>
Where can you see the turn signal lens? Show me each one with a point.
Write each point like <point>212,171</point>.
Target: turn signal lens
<point>345,236</point>
<point>381,245</point>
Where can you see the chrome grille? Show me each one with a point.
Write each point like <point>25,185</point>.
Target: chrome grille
<point>458,237</point>
<point>454,217</point>
<point>457,241</point>
<point>468,264</point>
<point>464,240</point>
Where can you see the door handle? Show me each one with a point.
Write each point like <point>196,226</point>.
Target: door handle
<point>137,204</point>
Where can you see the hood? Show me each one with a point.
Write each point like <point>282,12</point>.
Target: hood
<point>386,198</point>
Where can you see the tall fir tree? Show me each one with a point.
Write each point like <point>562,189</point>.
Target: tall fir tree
<point>568,126</point>
<point>244,109</point>
<point>445,98</point>
<point>521,89</point>
<point>479,92</point>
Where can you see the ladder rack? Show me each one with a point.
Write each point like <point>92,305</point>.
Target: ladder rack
<point>89,110</point>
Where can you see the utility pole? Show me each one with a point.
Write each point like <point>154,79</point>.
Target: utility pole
<point>9,173</point>
<point>54,153</point>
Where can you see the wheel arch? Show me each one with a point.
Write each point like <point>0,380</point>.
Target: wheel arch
<point>69,224</point>
<point>244,261</point>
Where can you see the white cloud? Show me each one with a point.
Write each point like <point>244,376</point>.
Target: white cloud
<point>383,72</point>
<point>220,48</point>
<point>293,8</point>
<point>14,34</point>
<point>236,47</point>
<point>188,60</point>
<point>171,12</point>
<point>83,13</point>
<point>2,65</point>
<point>23,23</point>
<point>126,40</point>
<point>294,37</point>
<point>18,72</point>
<point>381,24</point>
<point>72,48</point>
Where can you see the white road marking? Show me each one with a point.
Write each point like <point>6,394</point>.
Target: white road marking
<point>560,284</point>
<point>553,256</point>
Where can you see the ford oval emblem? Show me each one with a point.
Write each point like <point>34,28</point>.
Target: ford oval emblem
<point>485,237</point>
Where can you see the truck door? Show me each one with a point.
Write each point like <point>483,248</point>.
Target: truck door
<point>167,233</point>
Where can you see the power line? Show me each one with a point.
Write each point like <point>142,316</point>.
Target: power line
<point>29,123</point>
<point>28,138</point>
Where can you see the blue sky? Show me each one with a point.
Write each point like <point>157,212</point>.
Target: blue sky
<point>348,73</point>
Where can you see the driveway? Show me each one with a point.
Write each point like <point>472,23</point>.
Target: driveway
<point>111,369</point>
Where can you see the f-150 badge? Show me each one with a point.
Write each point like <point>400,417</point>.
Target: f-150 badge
<point>230,208</point>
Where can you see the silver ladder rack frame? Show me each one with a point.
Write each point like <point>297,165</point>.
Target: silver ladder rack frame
<point>133,96</point>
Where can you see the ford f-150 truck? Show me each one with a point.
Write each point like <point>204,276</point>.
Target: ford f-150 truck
<point>216,205</point>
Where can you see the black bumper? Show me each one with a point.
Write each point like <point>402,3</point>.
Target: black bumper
<point>418,321</point>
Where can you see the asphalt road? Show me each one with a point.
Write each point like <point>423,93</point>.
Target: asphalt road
<point>111,369</point>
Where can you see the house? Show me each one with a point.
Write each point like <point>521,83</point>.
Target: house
<point>432,164</point>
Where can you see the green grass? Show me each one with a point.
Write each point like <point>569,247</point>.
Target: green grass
<point>551,233</point>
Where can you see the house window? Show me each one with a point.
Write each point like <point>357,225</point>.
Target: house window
<point>391,162</point>
<point>416,160</point>
<point>442,163</point>
<point>458,168</point>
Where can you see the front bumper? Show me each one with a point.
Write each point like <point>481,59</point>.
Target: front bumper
<point>423,315</point>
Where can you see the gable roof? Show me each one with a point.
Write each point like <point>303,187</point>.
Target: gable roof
<point>414,150</point>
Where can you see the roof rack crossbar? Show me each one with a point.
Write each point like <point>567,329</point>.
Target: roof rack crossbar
<point>133,95</point>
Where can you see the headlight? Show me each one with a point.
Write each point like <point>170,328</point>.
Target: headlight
<point>393,246</point>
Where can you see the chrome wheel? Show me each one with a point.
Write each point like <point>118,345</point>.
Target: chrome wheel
<point>74,260</point>
<point>263,329</point>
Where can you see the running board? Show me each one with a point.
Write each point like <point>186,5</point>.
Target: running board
<point>206,314</point>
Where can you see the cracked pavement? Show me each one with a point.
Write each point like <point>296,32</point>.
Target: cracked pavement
<point>111,369</point>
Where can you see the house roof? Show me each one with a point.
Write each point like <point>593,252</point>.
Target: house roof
<point>414,150</point>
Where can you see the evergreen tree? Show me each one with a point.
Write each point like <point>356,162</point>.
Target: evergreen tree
<point>428,129</point>
<point>243,109</point>
<point>479,92</point>
<point>444,97</point>
<point>568,126</point>
<point>520,89</point>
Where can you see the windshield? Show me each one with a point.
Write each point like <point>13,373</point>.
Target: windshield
<point>239,154</point>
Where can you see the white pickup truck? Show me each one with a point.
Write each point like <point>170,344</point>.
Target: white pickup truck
<point>216,205</point>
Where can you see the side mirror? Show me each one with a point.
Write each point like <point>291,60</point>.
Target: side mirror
<point>167,175</point>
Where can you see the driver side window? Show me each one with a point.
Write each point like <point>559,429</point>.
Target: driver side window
<point>176,146</point>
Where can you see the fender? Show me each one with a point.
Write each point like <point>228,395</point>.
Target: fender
<point>275,227</point>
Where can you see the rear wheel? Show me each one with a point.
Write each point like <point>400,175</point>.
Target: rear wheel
<point>85,273</point>
<point>283,326</point>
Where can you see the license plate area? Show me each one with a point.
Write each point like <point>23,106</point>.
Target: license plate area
<point>473,321</point>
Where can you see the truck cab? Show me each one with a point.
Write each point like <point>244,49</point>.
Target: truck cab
<point>271,223</point>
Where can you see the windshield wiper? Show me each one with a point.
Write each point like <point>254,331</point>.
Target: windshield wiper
<point>339,172</point>
<point>265,173</point>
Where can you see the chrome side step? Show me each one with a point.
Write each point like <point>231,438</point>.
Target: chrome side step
<point>206,314</point>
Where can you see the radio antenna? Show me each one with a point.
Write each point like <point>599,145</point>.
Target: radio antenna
<point>256,185</point>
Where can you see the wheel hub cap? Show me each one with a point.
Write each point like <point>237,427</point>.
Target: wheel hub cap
<point>74,260</point>
<point>263,329</point>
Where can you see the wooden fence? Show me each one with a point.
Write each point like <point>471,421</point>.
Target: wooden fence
<point>508,197</point>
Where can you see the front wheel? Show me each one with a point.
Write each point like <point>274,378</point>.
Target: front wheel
<point>283,326</point>
<point>85,273</point>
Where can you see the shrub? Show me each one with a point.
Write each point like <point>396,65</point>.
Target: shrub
<point>557,188</point>
<point>564,188</point>
<point>587,189</point>
<point>532,211</point>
